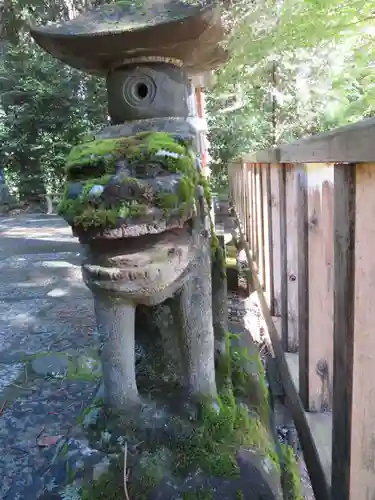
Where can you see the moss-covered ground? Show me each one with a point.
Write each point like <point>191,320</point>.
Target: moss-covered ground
<point>223,427</point>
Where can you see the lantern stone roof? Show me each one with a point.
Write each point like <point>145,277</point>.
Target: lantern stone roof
<point>110,35</point>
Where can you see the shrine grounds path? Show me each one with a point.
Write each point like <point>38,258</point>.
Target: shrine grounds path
<point>44,309</point>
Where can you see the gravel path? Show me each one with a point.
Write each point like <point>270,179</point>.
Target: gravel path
<point>44,309</point>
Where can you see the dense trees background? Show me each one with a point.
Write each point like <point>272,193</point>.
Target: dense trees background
<point>297,67</point>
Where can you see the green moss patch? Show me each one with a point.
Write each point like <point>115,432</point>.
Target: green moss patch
<point>145,146</point>
<point>110,486</point>
<point>201,494</point>
<point>210,444</point>
<point>224,428</point>
<point>94,163</point>
<point>290,479</point>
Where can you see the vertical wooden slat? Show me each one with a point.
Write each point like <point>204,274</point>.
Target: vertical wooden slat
<point>269,240</point>
<point>267,235</point>
<point>245,182</point>
<point>259,224</point>
<point>253,211</point>
<point>250,236</point>
<point>292,257</point>
<point>262,266</point>
<point>248,205</point>
<point>283,259</point>
<point>354,411</point>
<point>244,218</point>
<point>240,193</point>
<point>344,303</point>
<point>320,253</point>
<point>276,249</point>
<point>256,198</point>
<point>303,285</point>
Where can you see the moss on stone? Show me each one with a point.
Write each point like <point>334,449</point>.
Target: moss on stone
<point>186,189</point>
<point>230,262</point>
<point>110,486</point>
<point>149,471</point>
<point>140,147</point>
<point>96,217</point>
<point>95,164</point>
<point>290,478</point>
<point>207,190</point>
<point>231,251</point>
<point>224,428</point>
<point>240,495</point>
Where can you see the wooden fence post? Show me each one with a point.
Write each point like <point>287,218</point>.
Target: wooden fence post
<point>276,249</point>
<point>353,446</point>
<point>267,224</point>
<point>344,224</point>
<point>303,285</point>
<point>292,256</point>
<point>250,205</point>
<point>283,259</point>
<point>260,226</point>
<point>320,255</point>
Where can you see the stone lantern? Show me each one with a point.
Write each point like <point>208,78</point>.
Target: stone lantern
<point>135,196</point>
<point>136,199</point>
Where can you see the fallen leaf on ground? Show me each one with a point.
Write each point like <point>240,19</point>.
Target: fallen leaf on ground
<point>3,407</point>
<point>48,440</point>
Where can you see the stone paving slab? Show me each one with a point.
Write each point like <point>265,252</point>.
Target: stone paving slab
<point>44,308</point>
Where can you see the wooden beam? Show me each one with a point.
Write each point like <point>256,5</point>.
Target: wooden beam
<point>352,143</point>
<point>303,285</point>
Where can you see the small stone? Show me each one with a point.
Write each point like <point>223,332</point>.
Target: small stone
<point>51,365</point>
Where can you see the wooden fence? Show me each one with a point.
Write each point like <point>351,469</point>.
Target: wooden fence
<point>307,211</point>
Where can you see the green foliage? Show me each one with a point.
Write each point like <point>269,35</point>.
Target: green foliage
<point>45,107</point>
<point>291,481</point>
<point>296,68</point>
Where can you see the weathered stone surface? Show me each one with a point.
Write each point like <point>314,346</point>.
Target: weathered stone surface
<point>105,37</point>
<point>147,91</point>
<point>51,364</point>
